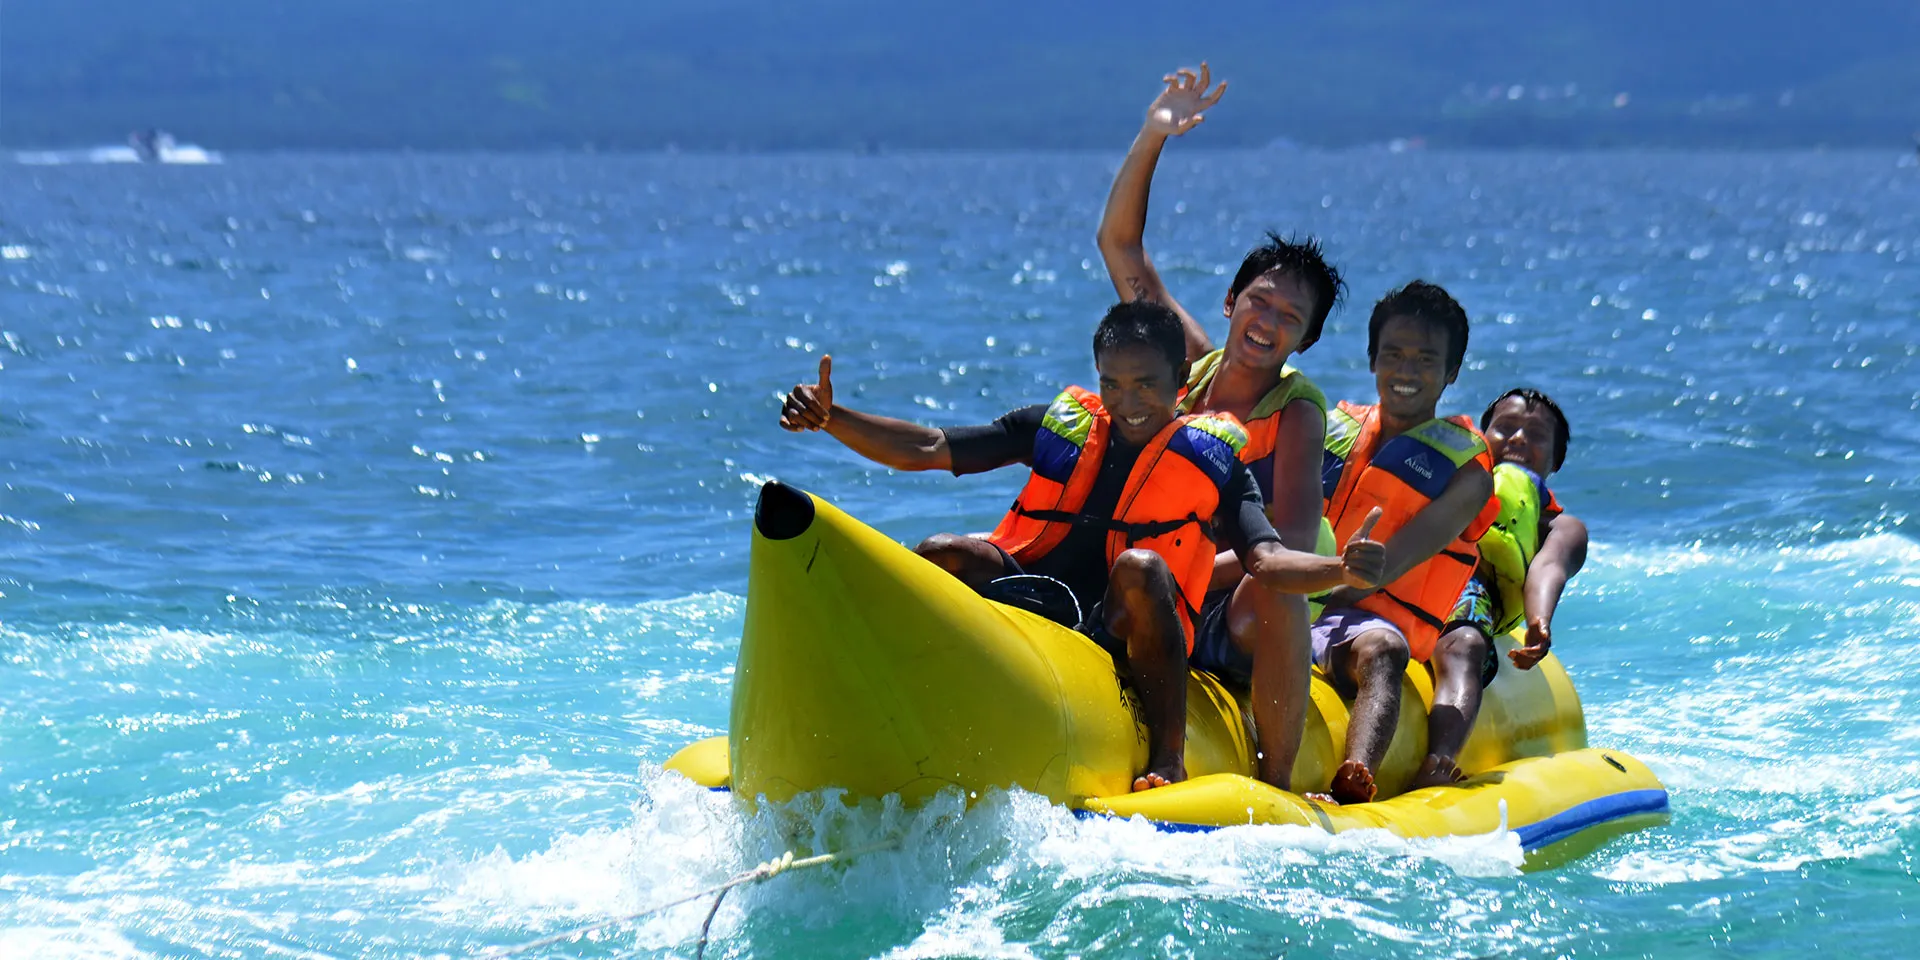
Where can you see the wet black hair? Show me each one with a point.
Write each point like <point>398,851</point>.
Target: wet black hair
<point>1143,323</point>
<point>1303,259</point>
<point>1429,302</point>
<point>1533,399</point>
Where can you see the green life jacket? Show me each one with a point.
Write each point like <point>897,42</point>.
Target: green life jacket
<point>1508,547</point>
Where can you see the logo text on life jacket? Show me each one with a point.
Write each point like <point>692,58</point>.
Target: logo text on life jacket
<point>1418,465</point>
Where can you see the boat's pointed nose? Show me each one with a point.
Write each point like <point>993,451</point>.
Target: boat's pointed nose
<point>867,668</point>
<point>784,512</point>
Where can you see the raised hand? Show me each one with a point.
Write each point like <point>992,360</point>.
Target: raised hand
<point>1539,641</point>
<point>810,405</point>
<point>1364,560</point>
<point>1183,105</point>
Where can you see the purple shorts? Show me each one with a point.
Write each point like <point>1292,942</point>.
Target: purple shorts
<point>1334,632</point>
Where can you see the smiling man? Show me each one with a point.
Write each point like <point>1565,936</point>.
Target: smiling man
<point>1526,558</point>
<point>1275,307</point>
<point>1124,504</point>
<point>1429,480</point>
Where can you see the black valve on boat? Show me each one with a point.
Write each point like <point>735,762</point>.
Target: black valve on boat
<point>784,512</point>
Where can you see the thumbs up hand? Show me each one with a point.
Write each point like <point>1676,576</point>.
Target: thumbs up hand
<point>810,405</point>
<point>1364,560</point>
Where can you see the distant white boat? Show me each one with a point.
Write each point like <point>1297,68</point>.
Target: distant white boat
<point>155,146</point>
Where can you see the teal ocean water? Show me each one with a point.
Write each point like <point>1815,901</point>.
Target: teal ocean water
<point>373,527</point>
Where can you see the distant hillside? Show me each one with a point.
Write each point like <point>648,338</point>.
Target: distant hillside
<point>720,74</point>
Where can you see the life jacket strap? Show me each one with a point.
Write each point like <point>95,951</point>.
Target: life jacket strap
<point>1135,532</point>
<point>1418,614</point>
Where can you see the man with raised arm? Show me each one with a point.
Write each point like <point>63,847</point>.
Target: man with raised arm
<point>1275,307</point>
<point>1431,478</point>
<point>1526,558</point>
<point>1123,504</point>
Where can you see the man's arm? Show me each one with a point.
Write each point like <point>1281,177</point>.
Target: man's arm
<point>1227,571</point>
<point>1123,225</point>
<point>1297,450</point>
<point>899,444</point>
<point>1277,567</point>
<point>1295,512</point>
<point>1295,571</point>
<point>1561,556</point>
<point>1438,523</point>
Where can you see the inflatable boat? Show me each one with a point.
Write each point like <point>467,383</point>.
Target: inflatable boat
<point>866,668</point>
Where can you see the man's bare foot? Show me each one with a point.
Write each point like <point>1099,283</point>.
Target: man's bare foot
<point>1437,771</point>
<point>1352,783</point>
<point>1159,778</point>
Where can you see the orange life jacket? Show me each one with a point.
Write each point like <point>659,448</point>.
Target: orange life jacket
<point>1167,505</point>
<point>1401,476</point>
<point>1263,434</point>
<point>1262,423</point>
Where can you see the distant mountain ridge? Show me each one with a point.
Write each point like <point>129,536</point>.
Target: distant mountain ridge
<point>860,74</point>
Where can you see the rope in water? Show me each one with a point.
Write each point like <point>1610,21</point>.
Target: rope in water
<point>766,871</point>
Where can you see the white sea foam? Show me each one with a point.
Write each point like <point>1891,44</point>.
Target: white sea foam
<point>1767,686</point>
<point>91,942</point>
<point>1771,689</point>
<point>123,647</point>
<point>964,875</point>
<point>171,153</point>
<point>1660,560</point>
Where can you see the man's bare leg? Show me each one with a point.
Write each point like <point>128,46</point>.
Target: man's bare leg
<point>1374,662</point>
<point>971,560</point>
<point>1271,628</point>
<point>1457,662</point>
<point>1140,610</point>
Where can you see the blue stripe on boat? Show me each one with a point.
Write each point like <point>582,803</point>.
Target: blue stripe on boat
<point>1533,836</point>
<point>1593,813</point>
<point>1164,826</point>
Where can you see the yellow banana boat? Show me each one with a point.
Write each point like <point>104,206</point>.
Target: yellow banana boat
<point>864,667</point>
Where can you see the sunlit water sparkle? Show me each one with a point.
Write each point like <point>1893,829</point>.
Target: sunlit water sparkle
<point>374,526</point>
